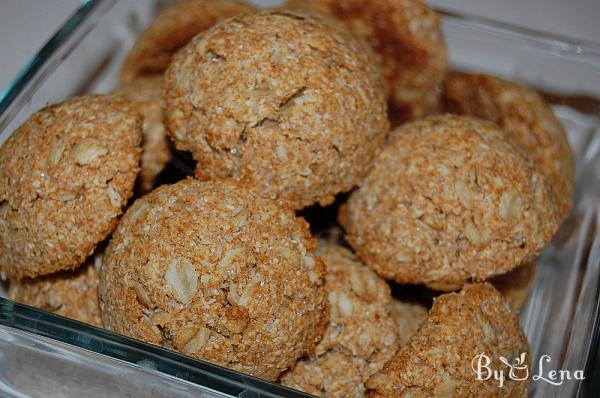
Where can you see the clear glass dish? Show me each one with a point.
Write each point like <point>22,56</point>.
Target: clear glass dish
<point>42,354</point>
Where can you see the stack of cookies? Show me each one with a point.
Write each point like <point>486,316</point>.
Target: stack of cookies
<point>286,113</point>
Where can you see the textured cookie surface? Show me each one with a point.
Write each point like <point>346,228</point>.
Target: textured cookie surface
<point>437,361</point>
<point>361,336</point>
<point>449,199</point>
<point>527,119</point>
<point>65,175</point>
<point>145,93</point>
<point>73,294</point>
<point>278,100</point>
<point>406,36</point>
<point>408,317</point>
<point>172,29</point>
<point>214,271</point>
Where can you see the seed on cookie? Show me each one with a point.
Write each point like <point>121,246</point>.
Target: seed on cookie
<point>281,101</point>
<point>448,200</point>
<point>65,175</point>
<point>181,271</point>
<point>525,117</point>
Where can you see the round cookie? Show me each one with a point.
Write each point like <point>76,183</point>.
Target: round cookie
<point>145,93</point>
<point>527,119</point>
<point>448,200</point>
<point>73,294</point>
<point>408,316</point>
<point>299,114</point>
<point>361,336</point>
<point>437,361</point>
<point>214,271</point>
<point>172,29</point>
<point>406,36</point>
<point>65,175</point>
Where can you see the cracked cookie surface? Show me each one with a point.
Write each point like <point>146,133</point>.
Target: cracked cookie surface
<point>216,272</point>
<point>280,101</point>
<point>406,36</point>
<point>437,360</point>
<point>526,118</point>
<point>156,153</point>
<point>172,29</point>
<point>361,336</point>
<point>449,199</point>
<point>73,294</point>
<point>65,175</point>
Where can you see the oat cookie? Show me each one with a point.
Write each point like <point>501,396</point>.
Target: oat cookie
<point>408,316</point>
<point>361,336</point>
<point>448,200</point>
<point>527,119</point>
<point>406,36</point>
<point>172,29</point>
<point>280,101</point>
<point>145,93</point>
<point>65,175</point>
<point>437,361</point>
<point>214,271</point>
<point>73,294</point>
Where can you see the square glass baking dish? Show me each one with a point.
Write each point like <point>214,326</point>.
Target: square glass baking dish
<point>42,354</point>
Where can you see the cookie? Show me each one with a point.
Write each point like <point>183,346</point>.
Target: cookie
<point>448,200</point>
<point>406,36</point>
<point>73,294</point>
<point>145,93</point>
<point>527,120</point>
<point>214,271</point>
<point>516,285</point>
<point>438,360</point>
<point>298,114</point>
<point>172,29</point>
<point>361,336</point>
<point>408,316</point>
<point>65,175</point>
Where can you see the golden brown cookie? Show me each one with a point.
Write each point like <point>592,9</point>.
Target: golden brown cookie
<point>437,361</point>
<point>408,317</point>
<point>527,119</point>
<point>361,336</point>
<point>516,285</point>
<point>280,101</point>
<point>214,271</point>
<point>448,200</point>
<point>73,294</point>
<point>172,29</point>
<point>407,39</point>
<point>145,92</point>
<point>65,175</point>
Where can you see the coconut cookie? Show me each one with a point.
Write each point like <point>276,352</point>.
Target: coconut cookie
<point>214,271</point>
<point>65,175</point>
<point>73,294</point>
<point>438,361</point>
<point>448,200</point>
<point>299,113</point>
<point>525,117</point>
<point>172,29</point>
<point>406,36</point>
<point>145,93</point>
<point>361,336</point>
